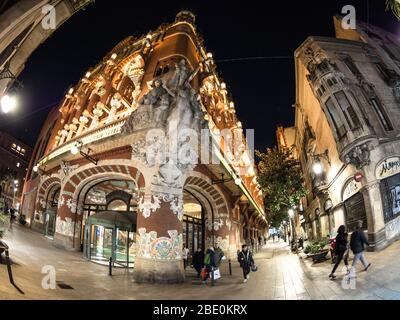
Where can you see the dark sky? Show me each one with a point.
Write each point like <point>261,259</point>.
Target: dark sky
<point>263,90</point>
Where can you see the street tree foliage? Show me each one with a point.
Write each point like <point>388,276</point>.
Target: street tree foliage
<point>6,174</point>
<point>281,180</point>
<point>394,5</point>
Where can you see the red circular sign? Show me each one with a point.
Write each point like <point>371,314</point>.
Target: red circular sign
<point>358,176</point>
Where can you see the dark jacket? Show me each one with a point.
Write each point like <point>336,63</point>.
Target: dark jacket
<point>357,241</point>
<point>245,259</point>
<point>212,259</point>
<point>218,256</point>
<point>341,242</point>
<point>198,260</point>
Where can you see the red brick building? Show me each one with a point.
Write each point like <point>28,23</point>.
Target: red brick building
<point>139,160</point>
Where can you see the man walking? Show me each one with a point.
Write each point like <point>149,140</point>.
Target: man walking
<point>198,261</point>
<point>357,242</point>
<point>245,259</point>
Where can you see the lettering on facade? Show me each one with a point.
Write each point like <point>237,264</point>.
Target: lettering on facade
<point>388,167</point>
<point>351,189</point>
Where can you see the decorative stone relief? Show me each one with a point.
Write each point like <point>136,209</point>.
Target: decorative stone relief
<point>359,156</point>
<point>66,227</point>
<point>220,242</point>
<point>61,202</point>
<point>162,248</point>
<point>147,206</point>
<point>42,203</point>
<point>218,224</point>
<point>66,169</point>
<point>71,204</point>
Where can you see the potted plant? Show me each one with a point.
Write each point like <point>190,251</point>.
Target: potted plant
<point>317,250</point>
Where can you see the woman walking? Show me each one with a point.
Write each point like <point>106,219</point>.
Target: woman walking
<point>340,250</point>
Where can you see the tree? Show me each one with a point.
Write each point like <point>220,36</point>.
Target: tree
<point>394,5</point>
<point>5,176</point>
<point>281,180</point>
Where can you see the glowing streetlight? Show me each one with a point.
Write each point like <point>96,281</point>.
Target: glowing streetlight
<point>8,103</point>
<point>317,168</point>
<point>36,168</point>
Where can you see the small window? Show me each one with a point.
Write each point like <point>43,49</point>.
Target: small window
<point>330,83</point>
<point>323,88</point>
<point>334,81</point>
<point>332,113</point>
<point>348,110</point>
<point>351,66</point>
<point>381,114</point>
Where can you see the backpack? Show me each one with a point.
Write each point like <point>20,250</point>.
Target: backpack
<point>207,259</point>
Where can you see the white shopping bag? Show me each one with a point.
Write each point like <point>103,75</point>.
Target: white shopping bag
<point>217,274</point>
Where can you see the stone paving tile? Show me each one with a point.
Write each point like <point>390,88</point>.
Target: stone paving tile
<point>281,275</point>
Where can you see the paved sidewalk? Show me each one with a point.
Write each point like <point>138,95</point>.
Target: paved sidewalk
<point>280,275</point>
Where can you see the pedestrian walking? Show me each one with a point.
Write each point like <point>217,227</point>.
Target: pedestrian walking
<point>279,236</point>
<point>273,237</point>
<point>209,264</point>
<point>245,259</point>
<point>357,242</point>
<point>12,218</point>
<point>185,254</point>
<point>198,261</point>
<point>340,250</point>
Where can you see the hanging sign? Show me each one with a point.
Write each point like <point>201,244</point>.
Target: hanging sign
<point>388,167</point>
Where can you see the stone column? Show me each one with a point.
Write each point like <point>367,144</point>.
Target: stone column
<point>159,240</point>
<point>374,211</point>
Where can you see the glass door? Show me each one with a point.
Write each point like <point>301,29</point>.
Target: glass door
<point>102,243</point>
<point>125,252</point>
<point>50,223</point>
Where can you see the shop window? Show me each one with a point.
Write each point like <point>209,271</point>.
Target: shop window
<point>384,119</point>
<point>388,75</point>
<point>355,211</point>
<point>390,193</point>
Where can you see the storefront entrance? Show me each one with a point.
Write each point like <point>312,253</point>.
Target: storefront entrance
<point>109,223</point>
<point>193,224</point>
<point>50,216</point>
<point>390,192</point>
<point>355,210</point>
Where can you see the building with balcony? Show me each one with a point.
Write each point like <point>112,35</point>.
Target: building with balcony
<point>347,131</point>
<point>145,155</point>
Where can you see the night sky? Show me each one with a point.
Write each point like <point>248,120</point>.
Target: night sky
<point>263,90</point>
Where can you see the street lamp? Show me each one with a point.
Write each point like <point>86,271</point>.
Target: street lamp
<point>317,167</point>
<point>8,103</point>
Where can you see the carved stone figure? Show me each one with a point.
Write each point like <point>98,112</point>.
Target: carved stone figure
<point>359,156</point>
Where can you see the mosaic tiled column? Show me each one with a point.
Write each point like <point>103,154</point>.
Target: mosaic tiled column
<point>159,240</point>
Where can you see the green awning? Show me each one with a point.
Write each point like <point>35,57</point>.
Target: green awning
<point>111,219</point>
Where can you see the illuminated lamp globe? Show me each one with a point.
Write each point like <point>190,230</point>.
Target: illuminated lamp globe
<point>35,168</point>
<point>317,168</point>
<point>8,103</point>
<point>15,189</point>
<point>74,150</point>
<point>238,181</point>
<point>16,182</point>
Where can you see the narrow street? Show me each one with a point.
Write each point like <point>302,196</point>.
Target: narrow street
<point>281,275</point>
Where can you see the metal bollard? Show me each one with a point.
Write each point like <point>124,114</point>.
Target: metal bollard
<point>110,267</point>
<point>230,267</point>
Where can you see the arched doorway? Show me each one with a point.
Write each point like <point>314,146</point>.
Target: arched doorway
<point>193,223</point>
<point>50,215</point>
<point>109,222</point>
